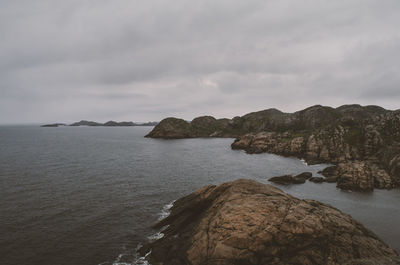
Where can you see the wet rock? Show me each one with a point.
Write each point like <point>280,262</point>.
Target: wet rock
<point>245,222</point>
<point>317,179</point>
<point>331,171</point>
<point>287,179</point>
<point>304,175</point>
<point>331,179</point>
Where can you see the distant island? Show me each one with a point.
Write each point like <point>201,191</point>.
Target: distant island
<point>54,125</point>
<point>108,124</point>
<point>362,142</point>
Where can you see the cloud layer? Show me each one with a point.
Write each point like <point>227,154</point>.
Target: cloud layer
<point>145,60</point>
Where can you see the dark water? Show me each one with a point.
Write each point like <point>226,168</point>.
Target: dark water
<point>84,195</point>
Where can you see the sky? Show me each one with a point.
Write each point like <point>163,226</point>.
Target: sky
<point>68,60</point>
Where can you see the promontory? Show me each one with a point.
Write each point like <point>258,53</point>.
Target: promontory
<point>248,223</point>
<point>362,142</point>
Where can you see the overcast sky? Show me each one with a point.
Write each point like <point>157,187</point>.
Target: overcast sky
<point>67,60</point>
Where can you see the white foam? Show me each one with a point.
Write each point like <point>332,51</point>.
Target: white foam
<point>166,210</point>
<point>117,261</point>
<point>156,236</point>
<point>304,162</point>
<point>142,260</point>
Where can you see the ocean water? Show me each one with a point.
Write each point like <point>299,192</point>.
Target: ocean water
<point>88,195</point>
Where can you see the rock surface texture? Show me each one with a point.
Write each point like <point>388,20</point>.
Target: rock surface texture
<point>249,223</point>
<point>348,134</point>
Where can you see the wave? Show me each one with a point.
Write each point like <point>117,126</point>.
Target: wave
<point>141,260</point>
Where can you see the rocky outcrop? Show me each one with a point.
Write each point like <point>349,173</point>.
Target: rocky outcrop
<point>368,160</point>
<point>317,134</point>
<point>358,175</point>
<point>289,179</point>
<point>317,179</point>
<point>304,175</point>
<point>327,145</point>
<point>273,120</point>
<point>171,128</point>
<point>205,126</point>
<point>245,222</point>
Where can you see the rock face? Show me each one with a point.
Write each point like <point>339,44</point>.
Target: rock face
<point>357,175</point>
<point>245,222</point>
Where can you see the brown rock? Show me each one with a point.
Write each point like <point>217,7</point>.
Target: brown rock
<point>331,171</point>
<point>287,179</point>
<point>362,176</point>
<point>331,179</point>
<point>171,128</point>
<point>245,222</point>
<point>316,179</point>
<point>304,175</point>
<point>355,176</point>
<point>317,134</point>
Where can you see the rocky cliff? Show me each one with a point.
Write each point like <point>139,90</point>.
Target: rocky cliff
<point>351,134</point>
<point>249,223</point>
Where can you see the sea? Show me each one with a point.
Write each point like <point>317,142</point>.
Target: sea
<point>89,195</point>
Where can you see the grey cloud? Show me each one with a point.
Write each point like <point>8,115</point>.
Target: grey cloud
<point>143,60</point>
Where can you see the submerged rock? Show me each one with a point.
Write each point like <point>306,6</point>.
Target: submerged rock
<point>286,179</point>
<point>316,179</point>
<point>246,222</point>
<point>304,175</point>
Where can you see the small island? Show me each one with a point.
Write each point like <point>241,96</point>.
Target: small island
<point>54,125</point>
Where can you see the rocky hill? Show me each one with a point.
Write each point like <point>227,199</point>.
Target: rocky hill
<point>249,223</point>
<point>363,139</point>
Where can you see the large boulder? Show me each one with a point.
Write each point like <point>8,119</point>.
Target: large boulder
<point>289,179</point>
<point>249,223</point>
<point>362,176</point>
